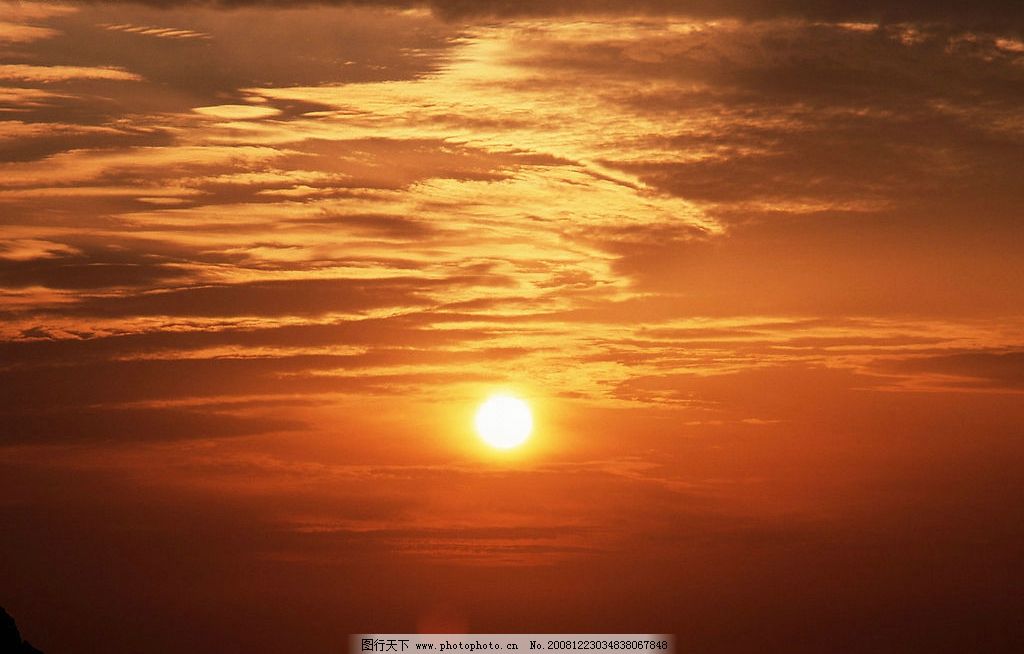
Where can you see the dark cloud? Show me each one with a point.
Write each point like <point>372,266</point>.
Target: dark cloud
<point>40,348</point>
<point>117,381</point>
<point>54,137</point>
<point>123,426</point>
<point>94,269</point>
<point>993,14</point>
<point>332,45</point>
<point>307,297</point>
<point>989,369</point>
<point>810,112</point>
<point>381,224</point>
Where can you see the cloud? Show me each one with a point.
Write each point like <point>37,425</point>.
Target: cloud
<point>109,166</point>
<point>985,369</point>
<point>491,546</point>
<point>95,269</point>
<point>20,33</point>
<point>53,74</point>
<point>117,382</point>
<point>413,330</point>
<point>28,249</point>
<point>766,392</point>
<point>120,427</point>
<point>237,112</point>
<point>991,14</point>
<point>278,297</point>
<point>158,32</point>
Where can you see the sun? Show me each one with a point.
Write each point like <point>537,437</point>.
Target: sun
<point>504,421</point>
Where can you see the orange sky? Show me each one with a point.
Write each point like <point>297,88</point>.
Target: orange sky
<point>756,265</point>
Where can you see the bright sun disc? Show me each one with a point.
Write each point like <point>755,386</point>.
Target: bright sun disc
<point>504,421</point>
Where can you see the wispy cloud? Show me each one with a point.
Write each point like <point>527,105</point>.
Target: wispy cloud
<point>52,74</point>
<point>158,32</point>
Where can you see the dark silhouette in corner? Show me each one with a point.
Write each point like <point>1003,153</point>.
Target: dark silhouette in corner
<point>10,637</point>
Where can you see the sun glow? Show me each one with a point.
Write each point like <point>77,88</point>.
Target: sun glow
<point>504,421</point>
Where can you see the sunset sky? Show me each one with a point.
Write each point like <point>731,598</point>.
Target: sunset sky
<point>757,266</point>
